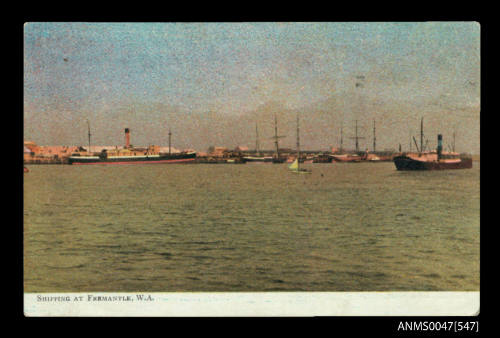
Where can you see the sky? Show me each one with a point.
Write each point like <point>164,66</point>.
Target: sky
<point>211,84</point>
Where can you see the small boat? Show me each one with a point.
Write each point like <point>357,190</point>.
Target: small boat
<point>295,168</point>
<point>26,170</point>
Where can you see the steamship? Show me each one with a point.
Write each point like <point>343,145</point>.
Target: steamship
<point>131,155</point>
<point>436,160</point>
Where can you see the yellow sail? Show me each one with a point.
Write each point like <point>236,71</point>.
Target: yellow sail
<point>294,165</point>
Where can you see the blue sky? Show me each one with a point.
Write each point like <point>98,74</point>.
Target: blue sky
<point>208,79</point>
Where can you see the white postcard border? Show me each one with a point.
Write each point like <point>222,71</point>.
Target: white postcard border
<point>251,304</point>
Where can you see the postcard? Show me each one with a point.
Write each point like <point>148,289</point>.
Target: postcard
<point>251,169</point>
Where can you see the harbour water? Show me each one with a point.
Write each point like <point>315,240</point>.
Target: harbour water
<point>187,227</point>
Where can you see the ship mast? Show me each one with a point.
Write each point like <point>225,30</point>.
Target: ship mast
<point>298,144</point>
<point>357,137</point>
<point>357,144</point>
<point>257,150</point>
<point>422,135</point>
<point>416,145</point>
<point>88,124</point>
<point>410,140</point>
<point>276,137</point>
<point>169,139</point>
<point>341,139</point>
<point>374,137</point>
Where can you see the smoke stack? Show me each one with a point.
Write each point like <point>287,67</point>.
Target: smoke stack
<point>440,145</point>
<point>127,138</point>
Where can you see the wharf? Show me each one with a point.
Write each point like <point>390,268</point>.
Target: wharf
<point>46,160</point>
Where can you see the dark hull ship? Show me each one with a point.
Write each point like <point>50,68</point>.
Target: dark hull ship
<point>104,158</point>
<point>131,155</point>
<point>407,162</point>
<point>432,160</point>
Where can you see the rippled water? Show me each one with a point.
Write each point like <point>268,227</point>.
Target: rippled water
<point>346,227</point>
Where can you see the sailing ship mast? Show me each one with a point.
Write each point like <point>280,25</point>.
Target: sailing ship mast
<point>257,150</point>
<point>88,124</point>
<point>298,144</point>
<point>357,137</point>
<point>374,137</point>
<point>295,166</point>
<point>169,139</point>
<point>454,141</point>
<point>357,144</point>
<point>341,139</point>
<point>276,137</point>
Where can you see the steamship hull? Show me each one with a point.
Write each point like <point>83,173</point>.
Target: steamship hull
<point>136,159</point>
<point>407,163</point>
